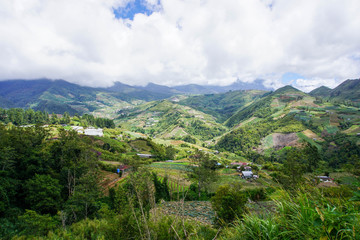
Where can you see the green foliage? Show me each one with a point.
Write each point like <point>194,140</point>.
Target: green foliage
<point>224,105</point>
<point>229,203</point>
<point>202,170</point>
<point>34,224</point>
<point>19,116</point>
<point>253,227</point>
<point>305,214</point>
<point>97,122</point>
<point>161,188</point>
<point>189,139</point>
<point>43,194</point>
<point>83,201</point>
<point>256,194</point>
<point>46,175</point>
<point>260,108</point>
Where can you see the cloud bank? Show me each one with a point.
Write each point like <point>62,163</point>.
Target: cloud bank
<point>181,41</point>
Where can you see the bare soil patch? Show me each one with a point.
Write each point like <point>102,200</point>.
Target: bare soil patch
<point>281,140</point>
<point>108,180</point>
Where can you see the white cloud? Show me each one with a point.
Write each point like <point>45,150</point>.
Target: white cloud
<point>184,41</point>
<point>307,85</point>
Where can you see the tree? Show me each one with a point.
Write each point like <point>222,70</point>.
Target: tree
<point>34,224</point>
<point>65,118</point>
<point>201,170</point>
<point>170,152</point>
<point>54,119</point>
<point>161,188</point>
<point>82,202</point>
<point>229,203</point>
<point>293,167</point>
<point>7,157</point>
<point>313,157</point>
<point>43,194</point>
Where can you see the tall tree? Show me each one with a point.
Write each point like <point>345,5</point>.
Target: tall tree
<point>202,170</point>
<point>43,194</point>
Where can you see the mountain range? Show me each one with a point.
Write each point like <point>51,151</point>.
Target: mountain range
<point>347,90</point>
<point>59,96</point>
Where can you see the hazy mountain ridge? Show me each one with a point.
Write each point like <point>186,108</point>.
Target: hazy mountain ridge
<point>59,95</point>
<point>210,89</point>
<point>347,90</point>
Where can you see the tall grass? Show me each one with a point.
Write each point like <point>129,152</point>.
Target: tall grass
<point>305,214</point>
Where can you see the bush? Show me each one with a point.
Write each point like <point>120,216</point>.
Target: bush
<point>229,203</point>
<point>256,194</point>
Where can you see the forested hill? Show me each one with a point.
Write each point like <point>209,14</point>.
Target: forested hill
<point>349,90</point>
<point>46,95</point>
<point>169,120</point>
<point>266,105</point>
<point>223,105</point>
<point>321,92</point>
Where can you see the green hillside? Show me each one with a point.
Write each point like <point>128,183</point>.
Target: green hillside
<point>168,120</point>
<point>269,104</point>
<point>321,92</point>
<point>348,90</point>
<point>223,105</point>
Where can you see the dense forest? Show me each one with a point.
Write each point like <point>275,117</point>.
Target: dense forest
<point>19,116</point>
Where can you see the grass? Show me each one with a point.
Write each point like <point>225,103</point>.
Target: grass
<point>141,146</point>
<point>304,214</point>
<point>309,140</point>
<point>268,142</point>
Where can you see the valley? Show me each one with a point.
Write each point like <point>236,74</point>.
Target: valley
<point>209,164</point>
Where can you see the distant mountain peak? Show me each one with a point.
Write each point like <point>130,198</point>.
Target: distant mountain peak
<point>322,91</point>
<point>287,89</point>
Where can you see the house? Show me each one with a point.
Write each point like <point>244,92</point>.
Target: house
<point>94,132</point>
<point>324,178</point>
<point>78,129</point>
<point>247,174</point>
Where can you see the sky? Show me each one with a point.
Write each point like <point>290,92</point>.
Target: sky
<point>304,43</point>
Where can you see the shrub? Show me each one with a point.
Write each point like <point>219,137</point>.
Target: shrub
<point>228,203</point>
<point>256,194</point>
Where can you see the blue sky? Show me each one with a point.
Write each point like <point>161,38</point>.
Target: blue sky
<point>289,77</point>
<point>131,9</point>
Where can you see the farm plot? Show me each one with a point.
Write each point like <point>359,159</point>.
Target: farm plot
<point>175,186</point>
<point>171,165</point>
<point>176,173</point>
<point>194,210</point>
